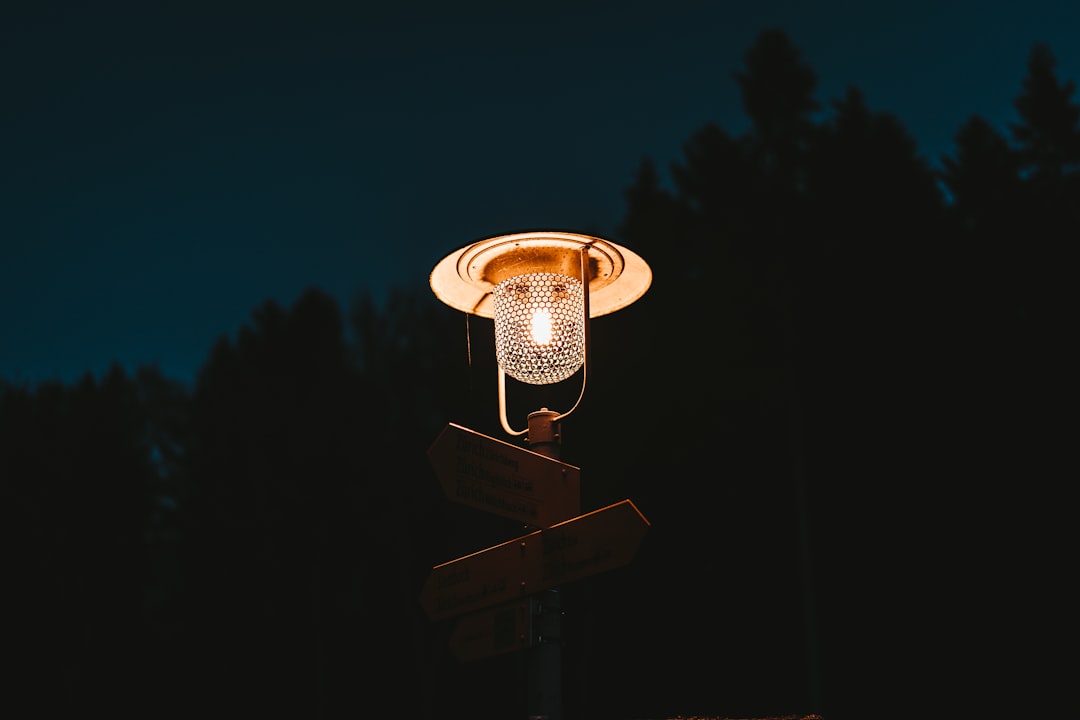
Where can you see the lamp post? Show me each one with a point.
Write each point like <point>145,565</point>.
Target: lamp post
<point>541,288</point>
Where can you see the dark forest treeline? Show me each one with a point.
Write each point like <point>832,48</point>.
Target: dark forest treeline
<point>841,345</point>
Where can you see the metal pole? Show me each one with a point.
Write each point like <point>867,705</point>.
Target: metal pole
<point>544,660</point>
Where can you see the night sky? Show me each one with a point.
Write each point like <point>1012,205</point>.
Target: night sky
<point>167,167</point>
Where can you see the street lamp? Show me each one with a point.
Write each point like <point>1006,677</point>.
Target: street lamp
<point>541,288</point>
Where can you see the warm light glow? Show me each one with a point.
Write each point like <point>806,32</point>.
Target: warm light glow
<point>541,287</point>
<point>541,327</point>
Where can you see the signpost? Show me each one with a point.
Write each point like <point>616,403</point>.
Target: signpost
<point>508,594</point>
<point>504,479</point>
<point>595,542</point>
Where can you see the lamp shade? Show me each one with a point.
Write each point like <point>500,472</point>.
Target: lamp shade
<point>466,278</point>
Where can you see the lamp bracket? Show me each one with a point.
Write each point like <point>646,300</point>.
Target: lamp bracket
<point>584,266</point>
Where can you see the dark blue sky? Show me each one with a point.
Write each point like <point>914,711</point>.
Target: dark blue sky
<point>166,167</point>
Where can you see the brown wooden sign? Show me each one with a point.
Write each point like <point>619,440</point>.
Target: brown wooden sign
<point>504,479</point>
<point>586,545</point>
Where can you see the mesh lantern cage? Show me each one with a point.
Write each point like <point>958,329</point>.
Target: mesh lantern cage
<point>540,327</point>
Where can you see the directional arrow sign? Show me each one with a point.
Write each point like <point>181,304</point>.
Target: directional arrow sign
<point>504,479</point>
<point>592,543</point>
<point>493,631</point>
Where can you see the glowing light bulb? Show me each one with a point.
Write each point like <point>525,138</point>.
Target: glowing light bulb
<point>541,327</point>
